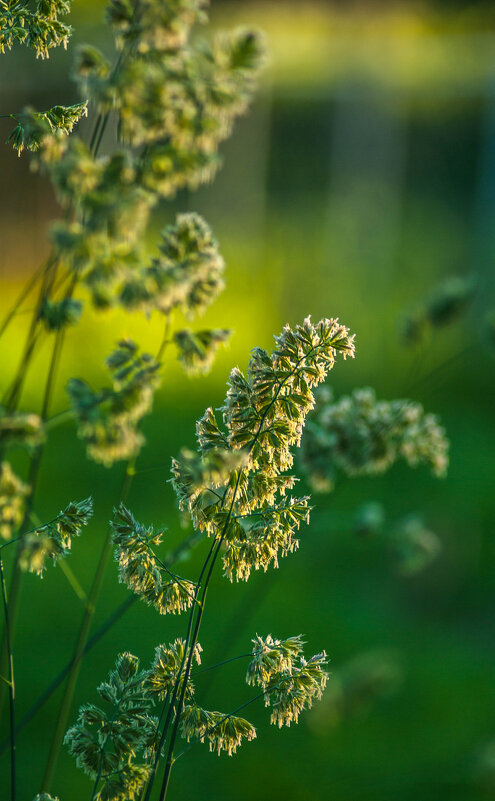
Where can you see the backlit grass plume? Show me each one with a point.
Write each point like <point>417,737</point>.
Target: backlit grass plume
<point>108,419</point>
<point>110,743</point>
<point>54,539</point>
<point>222,732</point>
<point>263,416</point>
<point>361,436</point>
<point>187,274</point>
<point>142,571</point>
<point>32,126</point>
<point>167,668</point>
<point>37,25</point>
<point>290,683</point>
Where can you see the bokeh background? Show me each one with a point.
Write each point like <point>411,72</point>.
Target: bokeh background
<point>363,175</point>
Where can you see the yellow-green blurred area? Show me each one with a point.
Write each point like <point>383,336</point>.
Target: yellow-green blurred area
<point>362,177</point>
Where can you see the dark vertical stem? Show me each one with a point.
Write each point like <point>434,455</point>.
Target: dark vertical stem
<point>34,469</point>
<point>177,681</point>
<point>80,646</point>
<point>11,684</point>
<point>30,284</point>
<point>11,398</point>
<point>173,736</point>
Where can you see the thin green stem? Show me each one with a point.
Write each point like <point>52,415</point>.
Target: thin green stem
<point>166,339</point>
<point>255,596</point>
<point>82,639</point>
<point>177,681</point>
<point>219,664</point>
<point>34,470</point>
<point>72,580</point>
<point>11,685</point>
<point>95,132</point>
<point>187,672</point>
<point>12,396</point>
<point>25,292</point>
<point>101,132</point>
<point>59,419</point>
<point>10,542</point>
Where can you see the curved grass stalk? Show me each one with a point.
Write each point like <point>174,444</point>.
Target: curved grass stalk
<point>11,685</point>
<point>25,292</point>
<point>75,665</point>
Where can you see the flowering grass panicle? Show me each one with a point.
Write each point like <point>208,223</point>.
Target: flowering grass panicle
<point>175,102</point>
<point>359,435</point>
<point>187,274</point>
<point>107,741</point>
<point>167,668</point>
<point>13,493</point>
<point>142,571</point>
<point>264,415</point>
<point>108,419</point>
<point>33,126</point>
<point>38,27</point>
<point>223,732</point>
<point>54,539</point>
<point>272,656</point>
<point>290,693</point>
<point>290,683</point>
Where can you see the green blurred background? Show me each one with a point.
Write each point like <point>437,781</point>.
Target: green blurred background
<point>363,175</point>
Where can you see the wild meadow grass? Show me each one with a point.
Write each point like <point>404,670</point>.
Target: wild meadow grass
<point>159,107</point>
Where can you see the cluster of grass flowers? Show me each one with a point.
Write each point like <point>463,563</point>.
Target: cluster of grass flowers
<point>37,25</point>
<point>54,539</point>
<point>172,98</point>
<point>359,435</point>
